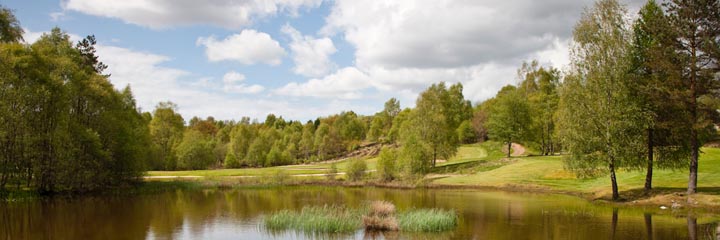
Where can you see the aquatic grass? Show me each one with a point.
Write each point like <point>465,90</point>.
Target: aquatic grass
<point>326,219</point>
<point>427,220</point>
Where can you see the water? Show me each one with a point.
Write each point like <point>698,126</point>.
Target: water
<point>238,214</point>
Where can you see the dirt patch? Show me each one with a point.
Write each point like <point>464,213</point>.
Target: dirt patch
<point>517,150</point>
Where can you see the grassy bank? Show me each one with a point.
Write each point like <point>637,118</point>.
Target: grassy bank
<point>485,166</point>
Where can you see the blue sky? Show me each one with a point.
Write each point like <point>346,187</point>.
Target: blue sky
<point>307,58</point>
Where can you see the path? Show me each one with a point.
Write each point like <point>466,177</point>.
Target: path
<point>251,176</point>
<point>517,150</point>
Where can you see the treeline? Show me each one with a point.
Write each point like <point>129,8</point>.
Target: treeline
<point>215,144</point>
<point>434,129</point>
<point>638,95</point>
<point>63,127</point>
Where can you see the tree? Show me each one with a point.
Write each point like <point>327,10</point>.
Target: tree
<point>509,117</point>
<point>195,151</point>
<point>539,88</point>
<point>356,169</point>
<point>435,119</point>
<point>166,129</point>
<point>657,77</point>
<point>466,132</point>
<point>386,164</point>
<point>601,123</point>
<point>10,29</point>
<point>696,26</point>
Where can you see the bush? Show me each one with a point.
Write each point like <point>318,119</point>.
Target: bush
<point>356,169</point>
<point>386,165</point>
<point>231,161</point>
<point>331,172</point>
<point>280,177</point>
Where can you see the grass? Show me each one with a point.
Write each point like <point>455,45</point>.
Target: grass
<point>379,215</point>
<point>548,172</point>
<point>316,168</point>
<point>324,219</point>
<point>427,220</point>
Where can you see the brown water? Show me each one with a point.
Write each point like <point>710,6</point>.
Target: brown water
<point>238,214</point>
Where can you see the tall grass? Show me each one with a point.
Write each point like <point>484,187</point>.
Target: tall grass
<point>325,219</point>
<point>427,220</point>
<point>379,215</point>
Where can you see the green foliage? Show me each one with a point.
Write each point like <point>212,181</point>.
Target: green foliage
<point>10,29</point>
<point>332,172</point>
<point>387,164</point>
<point>314,219</point>
<point>466,133</point>
<point>356,169</point>
<point>231,161</point>
<point>63,126</point>
<point>427,220</point>
<point>166,129</point>
<point>509,118</point>
<point>415,157</point>
<point>195,151</point>
<point>539,87</point>
<point>433,123</point>
<point>602,124</point>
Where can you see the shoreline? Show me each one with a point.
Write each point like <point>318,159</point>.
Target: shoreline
<point>658,198</point>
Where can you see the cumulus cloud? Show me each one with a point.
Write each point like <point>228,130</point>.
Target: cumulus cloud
<point>346,83</point>
<point>168,13</point>
<point>248,47</point>
<point>405,45</point>
<point>447,33</point>
<point>310,55</point>
<point>152,83</point>
<point>232,83</point>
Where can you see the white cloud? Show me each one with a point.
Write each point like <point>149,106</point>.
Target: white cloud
<point>248,47</point>
<point>169,13</point>
<point>57,16</point>
<point>346,83</point>
<point>449,33</point>
<point>310,55</point>
<point>232,83</point>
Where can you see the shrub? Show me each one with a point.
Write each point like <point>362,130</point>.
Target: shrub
<point>356,169</point>
<point>381,217</point>
<point>386,165</point>
<point>331,172</point>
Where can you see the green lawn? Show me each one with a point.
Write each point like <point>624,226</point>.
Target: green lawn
<point>548,172</point>
<point>319,168</point>
<point>485,165</point>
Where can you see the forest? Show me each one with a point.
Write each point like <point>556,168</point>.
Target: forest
<point>641,92</point>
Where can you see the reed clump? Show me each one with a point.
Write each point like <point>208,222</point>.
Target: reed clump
<point>381,217</point>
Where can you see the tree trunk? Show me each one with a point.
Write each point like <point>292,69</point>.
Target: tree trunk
<point>692,181</point>
<point>509,148</point>
<point>615,194</point>
<point>649,175</point>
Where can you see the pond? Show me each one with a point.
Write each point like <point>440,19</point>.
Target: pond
<point>238,214</point>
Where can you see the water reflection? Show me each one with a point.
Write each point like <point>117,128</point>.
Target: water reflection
<point>233,214</point>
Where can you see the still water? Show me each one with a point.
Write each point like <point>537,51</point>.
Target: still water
<point>238,214</point>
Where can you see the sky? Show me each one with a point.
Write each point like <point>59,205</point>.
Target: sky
<point>303,59</point>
